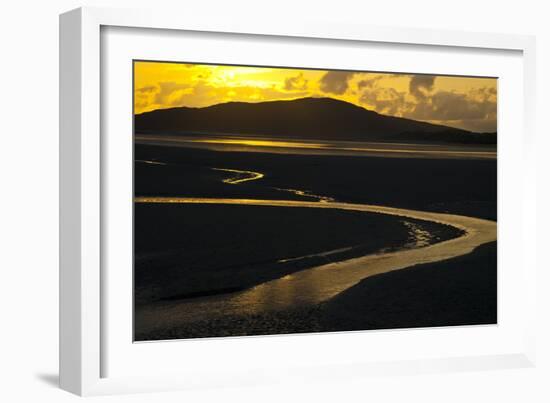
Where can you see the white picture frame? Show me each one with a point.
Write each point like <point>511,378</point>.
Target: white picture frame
<point>83,309</point>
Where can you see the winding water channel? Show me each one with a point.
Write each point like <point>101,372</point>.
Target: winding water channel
<point>317,284</point>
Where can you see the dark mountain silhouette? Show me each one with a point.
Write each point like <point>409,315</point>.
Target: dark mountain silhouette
<point>305,118</point>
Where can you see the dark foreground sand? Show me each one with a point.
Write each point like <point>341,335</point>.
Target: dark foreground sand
<point>459,291</point>
<point>188,251</point>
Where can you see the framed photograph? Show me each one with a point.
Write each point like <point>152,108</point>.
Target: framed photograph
<point>244,203</point>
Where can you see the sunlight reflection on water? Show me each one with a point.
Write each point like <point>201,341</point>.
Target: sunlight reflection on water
<point>318,284</point>
<point>325,147</point>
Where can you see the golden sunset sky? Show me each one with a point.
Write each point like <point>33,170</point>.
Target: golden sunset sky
<point>463,102</point>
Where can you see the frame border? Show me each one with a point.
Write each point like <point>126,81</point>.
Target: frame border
<point>80,306</point>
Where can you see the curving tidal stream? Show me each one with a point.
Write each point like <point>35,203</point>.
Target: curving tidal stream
<point>315,285</point>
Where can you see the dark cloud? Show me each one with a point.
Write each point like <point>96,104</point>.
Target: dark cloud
<point>297,83</point>
<point>476,110</point>
<point>335,82</point>
<point>146,90</point>
<point>421,85</point>
<point>144,95</point>
<point>167,89</point>
<point>446,105</point>
<point>368,83</point>
<point>385,100</point>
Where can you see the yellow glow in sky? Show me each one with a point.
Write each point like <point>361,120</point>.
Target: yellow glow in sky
<point>464,102</point>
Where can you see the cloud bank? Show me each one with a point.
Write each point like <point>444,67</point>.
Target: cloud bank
<point>463,102</point>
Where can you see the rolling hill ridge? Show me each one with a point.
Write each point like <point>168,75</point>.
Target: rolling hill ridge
<point>304,118</point>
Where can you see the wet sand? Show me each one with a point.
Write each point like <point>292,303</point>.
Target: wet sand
<point>458,291</point>
<point>191,250</point>
<point>228,143</point>
<point>313,286</point>
<point>465,187</point>
<point>299,301</point>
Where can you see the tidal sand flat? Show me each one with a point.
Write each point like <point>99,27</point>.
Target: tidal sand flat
<point>457,186</point>
<point>458,291</point>
<point>314,286</point>
<point>192,250</point>
<point>182,289</point>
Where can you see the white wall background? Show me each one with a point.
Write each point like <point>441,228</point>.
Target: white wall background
<point>29,202</point>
